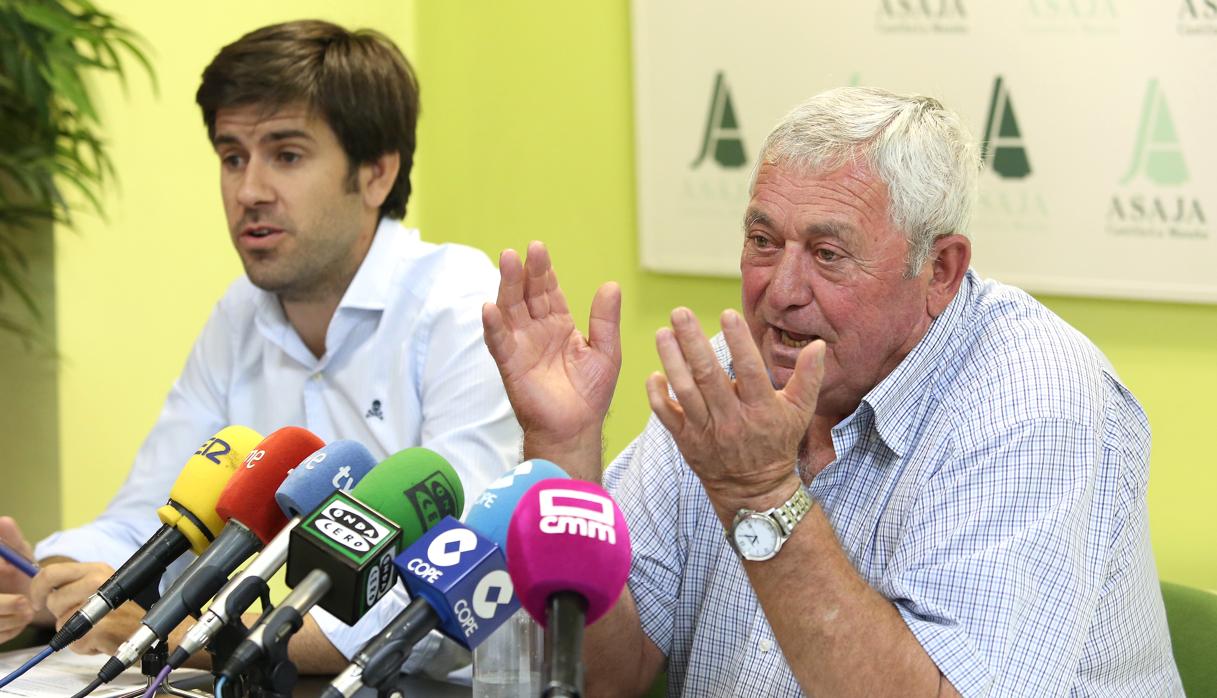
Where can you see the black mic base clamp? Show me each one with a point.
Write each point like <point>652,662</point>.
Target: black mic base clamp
<point>151,664</point>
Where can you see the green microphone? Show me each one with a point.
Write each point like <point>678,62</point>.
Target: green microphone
<point>353,538</point>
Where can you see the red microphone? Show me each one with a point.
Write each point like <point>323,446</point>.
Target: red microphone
<point>568,552</point>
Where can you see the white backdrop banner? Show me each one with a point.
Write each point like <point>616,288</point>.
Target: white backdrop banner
<point>1097,118</point>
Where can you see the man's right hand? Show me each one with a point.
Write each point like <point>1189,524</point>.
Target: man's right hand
<point>560,384</point>
<point>16,611</point>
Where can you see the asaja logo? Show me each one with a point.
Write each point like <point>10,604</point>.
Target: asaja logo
<point>1013,203</point>
<point>1003,149</point>
<point>1157,154</point>
<point>1198,17</point>
<point>922,16</point>
<point>1071,16</point>
<point>723,141</point>
<point>1163,209</point>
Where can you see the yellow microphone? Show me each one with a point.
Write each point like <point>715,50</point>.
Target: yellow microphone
<point>189,521</point>
<point>191,508</point>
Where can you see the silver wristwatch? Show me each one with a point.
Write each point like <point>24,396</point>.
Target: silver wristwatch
<point>759,535</point>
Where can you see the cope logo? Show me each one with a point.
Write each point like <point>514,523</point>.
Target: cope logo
<point>444,551</point>
<point>349,527</point>
<point>432,499</point>
<point>577,513</point>
<point>491,593</point>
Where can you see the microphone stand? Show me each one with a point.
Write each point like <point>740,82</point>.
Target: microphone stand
<point>275,675</point>
<point>234,631</point>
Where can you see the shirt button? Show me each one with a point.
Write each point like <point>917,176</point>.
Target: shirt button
<point>766,645</point>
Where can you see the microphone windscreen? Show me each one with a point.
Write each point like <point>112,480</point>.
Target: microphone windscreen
<point>200,483</point>
<point>338,465</point>
<point>414,488</point>
<point>568,535</point>
<point>249,495</point>
<point>491,513</point>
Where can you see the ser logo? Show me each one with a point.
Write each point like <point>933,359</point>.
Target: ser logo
<point>350,527</point>
<point>577,513</point>
<point>432,499</point>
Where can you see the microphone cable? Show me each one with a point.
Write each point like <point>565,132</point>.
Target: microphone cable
<point>90,688</point>
<point>156,683</point>
<point>27,666</point>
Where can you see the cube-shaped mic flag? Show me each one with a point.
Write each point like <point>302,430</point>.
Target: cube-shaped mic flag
<point>351,543</point>
<point>463,576</point>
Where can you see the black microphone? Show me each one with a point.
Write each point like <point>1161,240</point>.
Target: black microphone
<point>275,627</point>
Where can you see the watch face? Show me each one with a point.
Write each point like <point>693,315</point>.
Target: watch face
<point>756,537</point>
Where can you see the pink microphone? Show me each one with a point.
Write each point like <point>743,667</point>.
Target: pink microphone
<point>568,552</point>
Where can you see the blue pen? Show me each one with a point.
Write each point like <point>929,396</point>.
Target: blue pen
<point>17,560</point>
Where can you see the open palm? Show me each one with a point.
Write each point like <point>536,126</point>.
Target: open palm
<point>559,383</point>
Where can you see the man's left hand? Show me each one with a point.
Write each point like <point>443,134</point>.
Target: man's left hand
<point>113,630</point>
<point>741,437</point>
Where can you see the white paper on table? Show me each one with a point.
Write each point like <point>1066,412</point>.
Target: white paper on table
<point>65,672</point>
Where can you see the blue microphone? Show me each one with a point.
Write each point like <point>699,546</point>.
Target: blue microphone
<point>459,585</point>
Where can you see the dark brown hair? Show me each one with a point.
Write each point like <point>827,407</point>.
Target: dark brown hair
<point>359,82</point>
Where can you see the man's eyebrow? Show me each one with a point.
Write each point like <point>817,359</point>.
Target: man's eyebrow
<point>837,229</point>
<point>273,136</point>
<point>754,217</point>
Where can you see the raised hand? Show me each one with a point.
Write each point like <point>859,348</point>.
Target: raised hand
<point>559,383</point>
<point>741,437</point>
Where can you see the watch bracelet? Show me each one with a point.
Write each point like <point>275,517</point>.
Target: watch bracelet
<point>793,510</point>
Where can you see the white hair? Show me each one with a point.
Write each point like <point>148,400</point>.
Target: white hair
<point>912,143</point>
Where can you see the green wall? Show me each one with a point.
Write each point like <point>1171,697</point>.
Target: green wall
<point>526,134</point>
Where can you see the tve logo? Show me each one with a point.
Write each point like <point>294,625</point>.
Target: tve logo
<point>350,527</point>
<point>463,577</point>
<point>577,513</point>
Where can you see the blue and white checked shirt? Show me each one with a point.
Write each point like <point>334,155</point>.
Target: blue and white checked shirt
<point>993,487</point>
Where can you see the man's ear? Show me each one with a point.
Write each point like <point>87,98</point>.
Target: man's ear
<point>376,178</point>
<point>949,259</point>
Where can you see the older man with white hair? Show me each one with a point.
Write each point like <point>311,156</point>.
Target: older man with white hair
<point>888,477</point>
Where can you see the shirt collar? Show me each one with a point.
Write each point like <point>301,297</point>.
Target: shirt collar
<point>373,282</point>
<point>899,398</point>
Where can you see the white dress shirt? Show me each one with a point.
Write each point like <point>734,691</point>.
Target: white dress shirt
<point>405,365</point>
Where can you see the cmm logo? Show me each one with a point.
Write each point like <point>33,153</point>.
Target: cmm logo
<point>722,140</point>
<point>1197,17</point>
<point>922,16</point>
<point>1003,149</point>
<point>349,527</point>
<point>1162,209</point>
<point>577,513</point>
